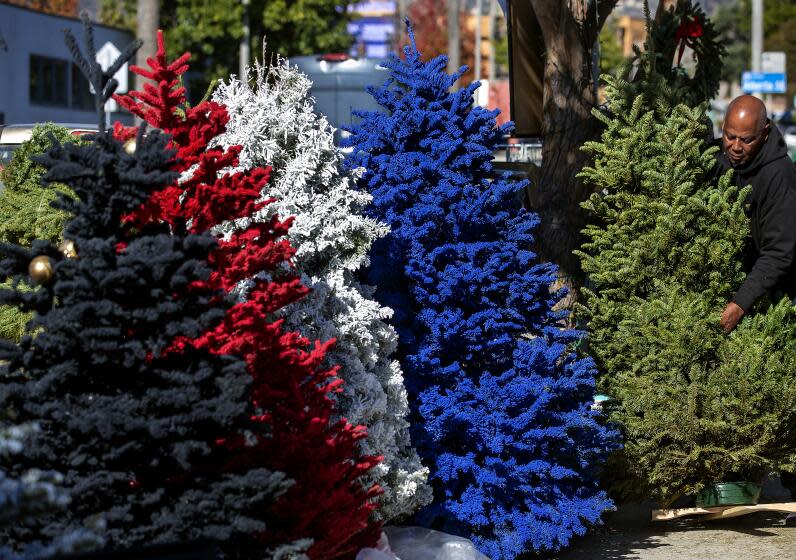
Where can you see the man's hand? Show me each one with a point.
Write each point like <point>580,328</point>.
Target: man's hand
<point>732,314</point>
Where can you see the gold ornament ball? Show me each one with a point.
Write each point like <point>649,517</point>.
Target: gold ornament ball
<point>129,146</point>
<point>68,249</point>
<point>41,270</point>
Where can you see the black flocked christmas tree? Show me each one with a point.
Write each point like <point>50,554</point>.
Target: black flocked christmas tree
<point>34,493</point>
<point>142,424</point>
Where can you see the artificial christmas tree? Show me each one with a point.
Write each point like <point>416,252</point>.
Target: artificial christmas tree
<point>35,493</point>
<point>25,211</point>
<point>665,256</point>
<point>272,118</point>
<point>501,406</point>
<point>150,430</point>
<point>291,389</point>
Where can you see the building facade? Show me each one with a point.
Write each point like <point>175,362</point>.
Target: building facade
<point>373,28</point>
<point>38,81</point>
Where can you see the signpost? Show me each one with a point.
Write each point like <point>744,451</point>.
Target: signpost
<point>771,78</point>
<point>773,62</point>
<point>106,55</point>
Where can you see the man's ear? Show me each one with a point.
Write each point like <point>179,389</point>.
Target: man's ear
<point>766,130</point>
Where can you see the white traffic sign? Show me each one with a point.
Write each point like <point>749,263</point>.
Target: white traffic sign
<point>106,56</point>
<point>773,62</point>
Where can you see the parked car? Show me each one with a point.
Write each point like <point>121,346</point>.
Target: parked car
<point>338,85</point>
<point>789,133</point>
<point>13,135</point>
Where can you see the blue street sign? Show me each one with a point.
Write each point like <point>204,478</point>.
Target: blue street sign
<point>758,82</point>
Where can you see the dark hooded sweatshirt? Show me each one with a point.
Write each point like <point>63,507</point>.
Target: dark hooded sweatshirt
<point>771,208</point>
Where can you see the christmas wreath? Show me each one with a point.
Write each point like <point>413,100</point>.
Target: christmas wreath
<point>686,25</point>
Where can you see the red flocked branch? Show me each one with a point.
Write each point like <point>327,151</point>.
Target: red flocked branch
<point>291,388</point>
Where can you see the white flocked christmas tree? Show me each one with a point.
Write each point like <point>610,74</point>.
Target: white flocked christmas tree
<point>272,116</point>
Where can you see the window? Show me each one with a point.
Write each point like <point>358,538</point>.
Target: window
<point>48,81</point>
<point>60,83</point>
<point>82,98</point>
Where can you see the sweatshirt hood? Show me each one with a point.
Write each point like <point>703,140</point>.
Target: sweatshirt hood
<point>773,149</point>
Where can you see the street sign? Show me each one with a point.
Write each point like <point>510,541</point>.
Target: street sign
<point>773,62</point>
<point>759,82</point>
<point>482,94</point>
<point>106,55</point>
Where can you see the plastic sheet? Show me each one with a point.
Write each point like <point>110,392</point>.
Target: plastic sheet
<point>417,543</point>
<point>381,552</point>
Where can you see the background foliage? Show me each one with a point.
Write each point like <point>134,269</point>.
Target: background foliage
<point>611,55</point>
<point>733,21</point>
<point>212,30</point>
<point>68,8</point>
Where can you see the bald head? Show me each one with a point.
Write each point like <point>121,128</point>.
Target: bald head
<point>747,108</point>
<point>746,129</point>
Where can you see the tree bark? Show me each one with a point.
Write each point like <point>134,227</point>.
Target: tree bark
<point>569,30</point>
<point>147,22</point>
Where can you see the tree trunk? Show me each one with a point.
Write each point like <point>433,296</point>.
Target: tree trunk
<point>147,22</point>
<point>569,30</point>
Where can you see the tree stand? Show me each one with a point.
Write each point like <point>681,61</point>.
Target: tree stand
<point>720,512</point>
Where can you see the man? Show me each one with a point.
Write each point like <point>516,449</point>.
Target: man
<point>755,150</point>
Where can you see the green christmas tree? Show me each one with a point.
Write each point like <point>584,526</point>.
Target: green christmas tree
<point>25,210</point>
<point>665,255</point>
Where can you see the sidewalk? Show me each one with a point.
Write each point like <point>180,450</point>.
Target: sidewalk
<point>628,535</point>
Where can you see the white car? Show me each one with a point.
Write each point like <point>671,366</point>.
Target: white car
<point>12,136</point>
<point>789,133</point>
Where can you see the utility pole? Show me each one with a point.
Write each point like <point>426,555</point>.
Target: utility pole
<point>402,10</point>
<point>147,23</point>
<point>478,39</point>
<point>400,23</point>
<point>491,33</point>
<point>757,34</point>
<point>454,60</point>
<point>245,43</point>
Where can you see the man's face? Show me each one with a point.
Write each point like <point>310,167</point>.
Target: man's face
<point>743,137</point>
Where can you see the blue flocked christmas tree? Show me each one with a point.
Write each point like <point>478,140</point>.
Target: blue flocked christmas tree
<point>501,404</point>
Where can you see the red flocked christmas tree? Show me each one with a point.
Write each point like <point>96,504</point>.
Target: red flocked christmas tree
<point>291,389</point>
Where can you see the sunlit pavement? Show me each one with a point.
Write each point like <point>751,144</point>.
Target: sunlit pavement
<point>628,535</point>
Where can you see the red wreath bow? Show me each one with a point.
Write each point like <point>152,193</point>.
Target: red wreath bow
<point>685,35</point>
